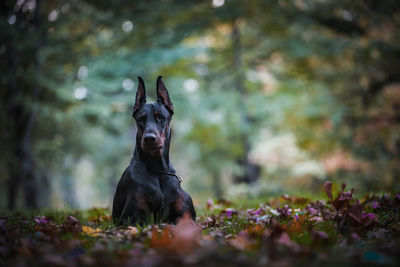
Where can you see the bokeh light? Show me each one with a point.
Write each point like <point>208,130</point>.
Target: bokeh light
<point>80,92</point>
<point>83,72</point>
<point>12,20</point>
<point>191,85</point>
<point>53,15</point>
<point>127,26</point>
<point>128,84</point>
<point>218,3</point>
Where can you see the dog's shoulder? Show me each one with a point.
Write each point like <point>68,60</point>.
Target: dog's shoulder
<point>171,181</point>
<point>139,175</point>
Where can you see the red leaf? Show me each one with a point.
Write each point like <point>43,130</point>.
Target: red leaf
<point>355,211</point>
<point>343,187</point>
<point>328,189</point>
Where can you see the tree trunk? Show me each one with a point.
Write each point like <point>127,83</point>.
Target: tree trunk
<point>250,171</point>
<point>13,111</point>
<point>21,164</point>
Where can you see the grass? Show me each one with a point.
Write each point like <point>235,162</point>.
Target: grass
<point>289,230</point>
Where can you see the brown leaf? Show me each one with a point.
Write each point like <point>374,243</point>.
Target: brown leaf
<point>72,220</point>
<point>54,260</point>
<point>49,229</point>
<point>284,239</point>
<point>132,230</point>
<point>206,240</point>
<point>72,226</point>
<point>240,242</point>
<point>186,236</point>
<point>26,247</point>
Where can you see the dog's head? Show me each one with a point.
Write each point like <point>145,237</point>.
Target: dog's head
<point>152,119</point>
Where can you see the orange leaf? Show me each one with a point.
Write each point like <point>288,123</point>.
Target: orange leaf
<point>160,240</point>
<point>255,230</point>
<point>91,231</point>
<point>295,226</point>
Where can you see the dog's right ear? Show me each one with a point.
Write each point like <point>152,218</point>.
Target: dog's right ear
<point>140,96</point>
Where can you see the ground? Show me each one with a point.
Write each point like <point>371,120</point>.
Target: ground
<point>285,231</point>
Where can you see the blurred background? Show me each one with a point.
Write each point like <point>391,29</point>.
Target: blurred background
<point>271,97</point>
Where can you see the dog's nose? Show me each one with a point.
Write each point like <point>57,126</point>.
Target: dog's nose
<point>149,138</point>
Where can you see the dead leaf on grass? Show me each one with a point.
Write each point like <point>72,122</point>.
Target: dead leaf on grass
<point>91,231</point>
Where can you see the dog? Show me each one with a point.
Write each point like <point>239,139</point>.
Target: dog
<point>149,189</point>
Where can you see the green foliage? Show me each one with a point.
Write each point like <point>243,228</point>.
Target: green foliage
<point>325,73</point>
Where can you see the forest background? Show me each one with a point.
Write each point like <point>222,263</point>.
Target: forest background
<point>271,97</point>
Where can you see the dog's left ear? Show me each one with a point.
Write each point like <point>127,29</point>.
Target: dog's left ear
<point>140,96</point>
<point>162,95</point>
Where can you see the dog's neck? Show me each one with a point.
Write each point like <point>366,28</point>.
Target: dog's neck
<point>158,160</point>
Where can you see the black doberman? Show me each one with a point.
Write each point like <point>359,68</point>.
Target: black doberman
<point>149,189</point>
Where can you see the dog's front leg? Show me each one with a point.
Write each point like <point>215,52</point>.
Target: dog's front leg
<point>120,197</point>
<point>132,213</point>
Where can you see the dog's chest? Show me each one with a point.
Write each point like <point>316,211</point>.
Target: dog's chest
<point>159,191</point>
<point>170,188</point>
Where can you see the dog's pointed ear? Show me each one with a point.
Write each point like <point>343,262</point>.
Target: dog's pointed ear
<point>140,96</point>
<point>162,95</point>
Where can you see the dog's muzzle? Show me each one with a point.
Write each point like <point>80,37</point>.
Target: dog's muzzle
<point>151,143</point>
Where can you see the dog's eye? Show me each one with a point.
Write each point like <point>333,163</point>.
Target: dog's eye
<point>159,117</point>
<point>141,120</point>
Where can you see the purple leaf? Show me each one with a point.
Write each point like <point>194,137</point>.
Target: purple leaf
<point>321,234</point>
<point>355,237</point>
<point>369,216</point>
<point>368,219</point>
<point>257,212</point>
<point>375,205</point>
<point>3,225</point>
<point>41,220</point>
<point>229,212</point>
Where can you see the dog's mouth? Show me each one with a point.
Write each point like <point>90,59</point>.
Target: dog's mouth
<point>151,147</point>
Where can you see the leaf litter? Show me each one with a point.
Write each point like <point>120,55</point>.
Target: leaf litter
<point>296,232</point>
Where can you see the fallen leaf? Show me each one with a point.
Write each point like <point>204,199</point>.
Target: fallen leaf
<point>229,212</point>
<point>54,260</point>
<point>132,230</point>
<point>210,204</point>
<point>72,226</point>
<point>186,236</point>
<point>328,189</point>
<point>240,242</point>
<point>91,231</point>
<point>160,240</point>
<point>321,234</point>
<point>256,230</point>
<point>41,219</point>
